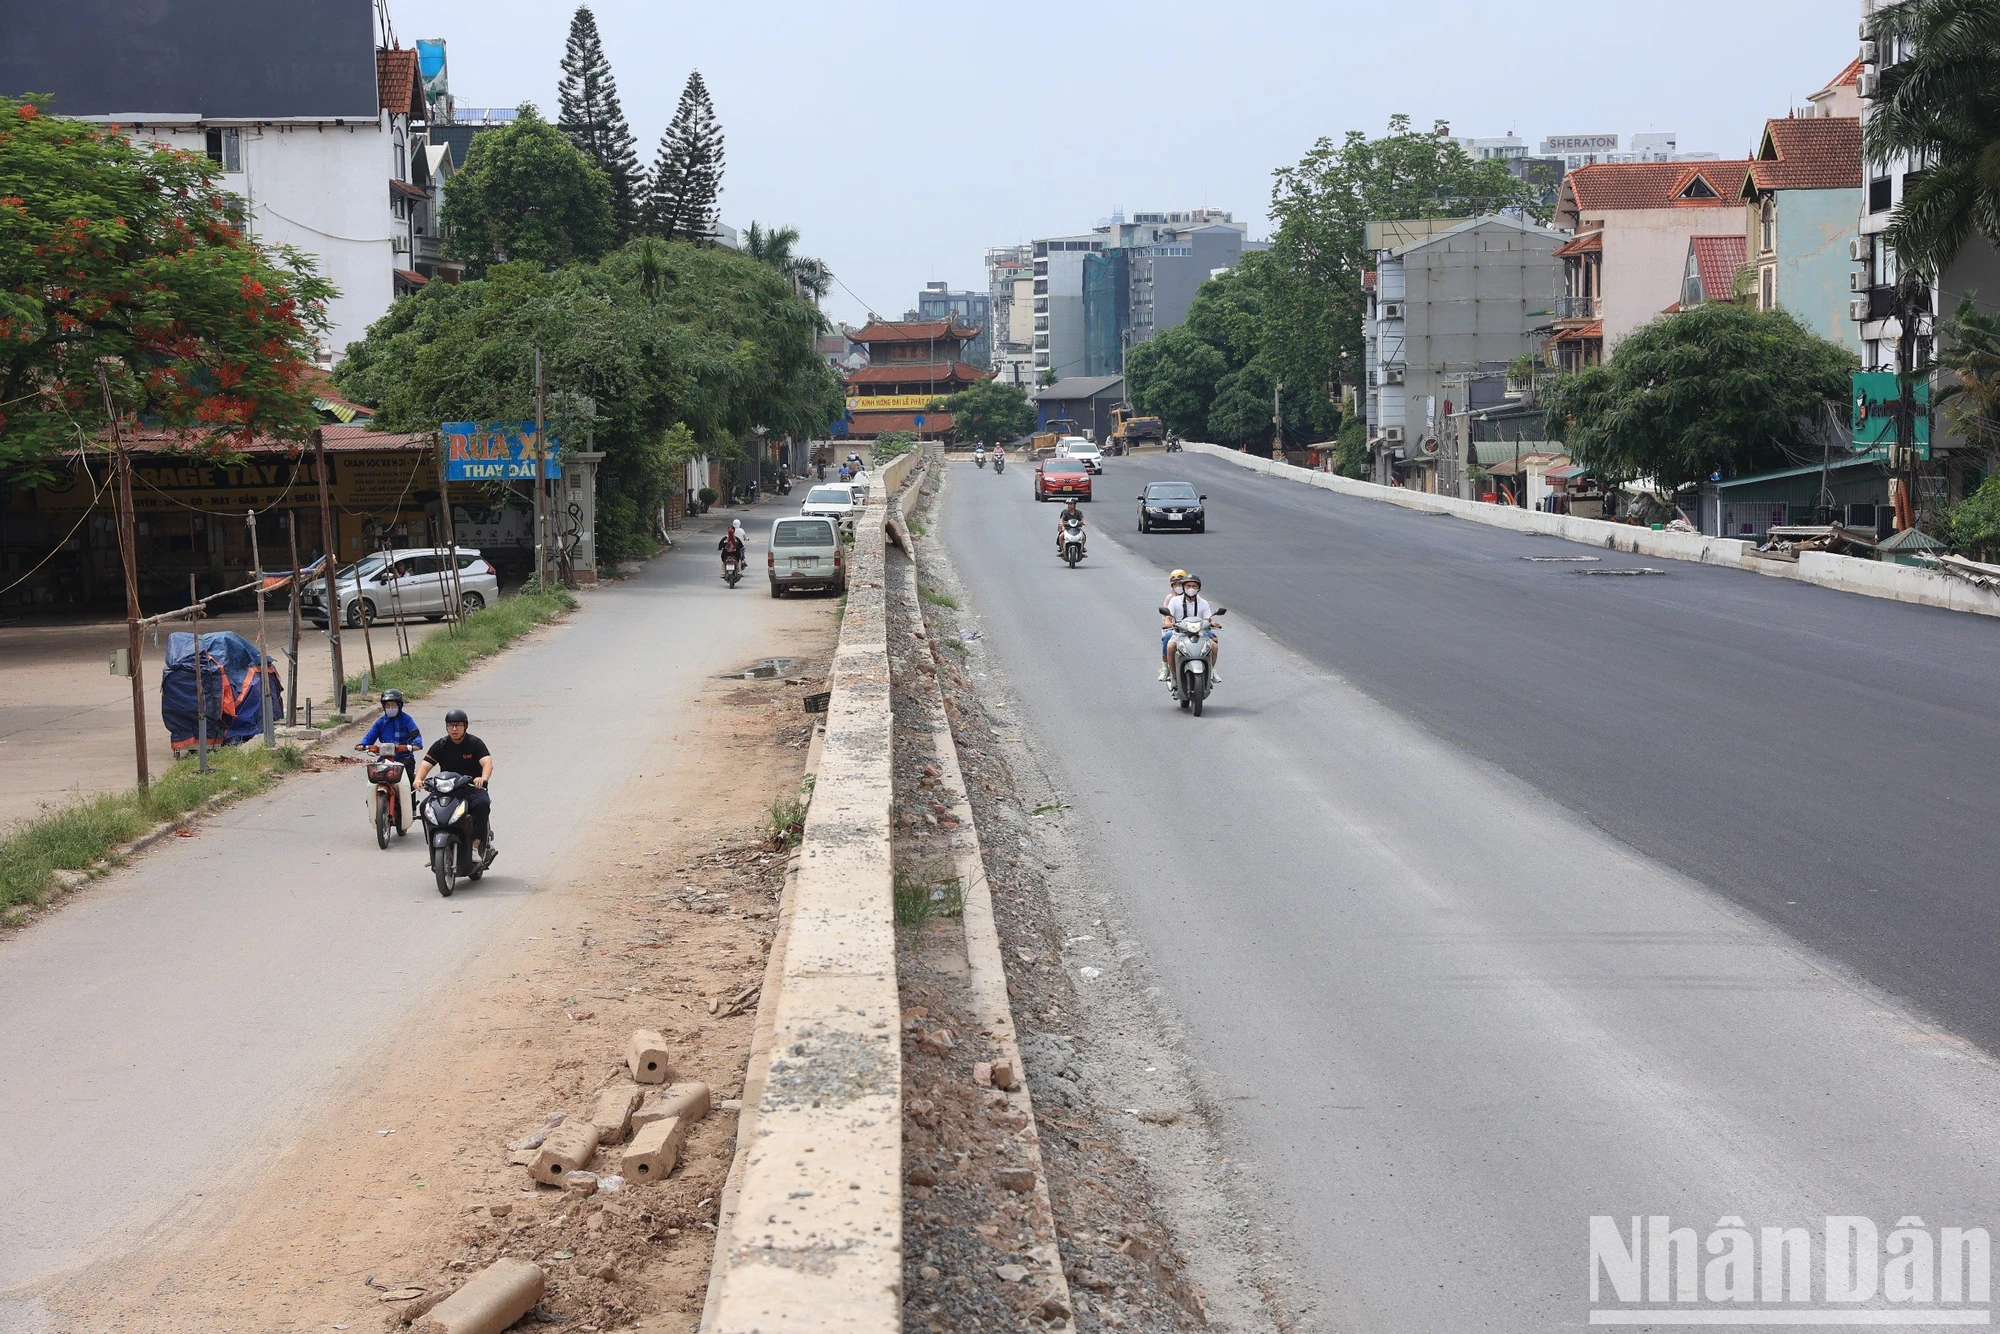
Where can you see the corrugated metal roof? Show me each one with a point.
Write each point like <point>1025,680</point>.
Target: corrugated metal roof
<point>1077,386</point>
<point>1782,473</point>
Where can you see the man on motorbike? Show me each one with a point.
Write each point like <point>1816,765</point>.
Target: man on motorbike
<point>732,545</point>
<point>1069,512</point>
<point>396,728</point>
<point>460,752</point>
<point>1184,602</point>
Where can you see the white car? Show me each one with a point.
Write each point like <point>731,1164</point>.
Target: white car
<point>832,500</point>
<point>404,584</point>
<point>1078,448</point>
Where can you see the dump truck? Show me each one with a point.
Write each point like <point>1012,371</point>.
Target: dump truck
<point>1045,440</point>
<point>1128,429</point>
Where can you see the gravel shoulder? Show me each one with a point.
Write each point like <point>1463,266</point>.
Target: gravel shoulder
<point>1154,1219</point>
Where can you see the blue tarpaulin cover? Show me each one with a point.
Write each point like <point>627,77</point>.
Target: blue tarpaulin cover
<point>230,666</point>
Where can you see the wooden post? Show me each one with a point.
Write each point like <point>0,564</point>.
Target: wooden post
<point>536,454</point>
<point>330,536</point>
<point>457,611</point>
<point>200,695</point>
<point>263,648</point>
<point>292,692</point>
<point>128,550</point>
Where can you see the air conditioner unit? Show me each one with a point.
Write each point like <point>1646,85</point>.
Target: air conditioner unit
<point>1859,249</point>
<point>1867,51</point>
<point>1857,310</point>
<point>1857,281</point>
<point>1866,85</point>
<point>399,244</point>
<point>1393,434</point>
<point>1392,375</point>
<point>1392,310</point>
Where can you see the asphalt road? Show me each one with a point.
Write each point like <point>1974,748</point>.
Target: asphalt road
<point>180,1020</point>
<point>1502,895</point>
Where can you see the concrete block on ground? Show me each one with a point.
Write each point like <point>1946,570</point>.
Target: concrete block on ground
<point>611,1111</point>
<point>646,1056</point>
<point>687,1100</point>
<point>654,1150</point>
<point>567,1149</point>
<point>492,1300</point>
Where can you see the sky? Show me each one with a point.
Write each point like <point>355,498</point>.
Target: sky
<point>902,139</point>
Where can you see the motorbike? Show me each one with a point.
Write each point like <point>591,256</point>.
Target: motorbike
<point>979,457</point>
<point>846,473</point>
<point>1191,662</point>
<point>999,464</point>
<point>732,570</point>
<point>1173,444</point>
<point>389,798</point>
<point>821,469</point>
<point>784,485</point>
<point>1072,547</point>
<point>448,832</point>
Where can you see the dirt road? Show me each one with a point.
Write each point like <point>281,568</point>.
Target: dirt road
<point>232,1024</point>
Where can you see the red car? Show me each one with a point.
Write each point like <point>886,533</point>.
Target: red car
<point>1059,479</point>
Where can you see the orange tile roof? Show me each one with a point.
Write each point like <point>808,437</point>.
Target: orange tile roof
<point>1584,244</point>
<point>917,372</point>
<point>1810,153</point>
<point>397,83</point>
<point>1581,333</point>
<point>910,331</point>
<point>1717,259</point>
<point>1630,185</point>
<point>1847,77</point>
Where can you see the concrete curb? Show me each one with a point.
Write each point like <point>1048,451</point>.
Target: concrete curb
<point>987,972</point>
<point>1899,583</point>
<point>815,1238</point>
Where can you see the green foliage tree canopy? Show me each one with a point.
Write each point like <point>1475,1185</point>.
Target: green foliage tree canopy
<point>990,412</point>
<point>682,201</point>
<point>130,256</point>
<point>527,193</point>
<point>1720,388</point>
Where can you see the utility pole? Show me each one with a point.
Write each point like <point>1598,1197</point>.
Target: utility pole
<point>541,533</point>
<point>195,612</point>
<point>292,690</point>
<point>263,647</point>
<point>1910,289</point>
<point>450,535</point>
<point>330,539</point>
<point>128,551</point>
<point>1278,417</point>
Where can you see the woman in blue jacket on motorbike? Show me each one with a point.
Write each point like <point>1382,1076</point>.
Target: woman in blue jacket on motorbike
<point>396,728</point>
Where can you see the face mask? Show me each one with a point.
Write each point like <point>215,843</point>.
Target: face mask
<point>392,709</point>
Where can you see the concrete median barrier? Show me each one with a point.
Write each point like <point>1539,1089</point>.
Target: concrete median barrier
<point>814,1238</point>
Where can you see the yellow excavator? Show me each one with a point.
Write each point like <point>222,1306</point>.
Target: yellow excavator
<point>1128,429</point>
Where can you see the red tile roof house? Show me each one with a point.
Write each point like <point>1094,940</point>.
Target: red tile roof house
<point>1803,201</point>
<point>1632,223</point>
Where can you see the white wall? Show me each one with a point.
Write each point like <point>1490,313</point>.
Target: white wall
<point>325,190</point>
<point>1645,257</point>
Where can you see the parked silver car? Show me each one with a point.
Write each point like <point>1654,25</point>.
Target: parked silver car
<point>807,552</point>
<point>835,500</point>
<point>404,584</point>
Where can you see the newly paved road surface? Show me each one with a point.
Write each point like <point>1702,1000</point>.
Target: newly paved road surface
<point>179,1020</point>
<point>1502,895</point>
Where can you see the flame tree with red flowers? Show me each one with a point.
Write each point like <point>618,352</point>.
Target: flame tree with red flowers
<point>128,255</point>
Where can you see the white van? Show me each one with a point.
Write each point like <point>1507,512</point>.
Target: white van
<point>806,552</point>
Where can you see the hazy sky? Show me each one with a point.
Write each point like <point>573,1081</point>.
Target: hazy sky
<point>902,139</point>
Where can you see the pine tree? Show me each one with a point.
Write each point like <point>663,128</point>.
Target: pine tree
<point>591,116</point>
<point>681,202</point>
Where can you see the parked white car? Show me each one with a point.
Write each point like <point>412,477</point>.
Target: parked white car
<point>1079,448</point>
<point>404,583</point>
<point>832,500</point>
<point>806,552</point>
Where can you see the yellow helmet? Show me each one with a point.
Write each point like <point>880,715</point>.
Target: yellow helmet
<point>1176,576</point>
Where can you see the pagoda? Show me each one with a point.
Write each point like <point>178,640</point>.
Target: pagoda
<point>911,364</point>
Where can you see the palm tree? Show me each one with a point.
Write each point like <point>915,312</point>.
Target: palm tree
<point>774,246</point>
<point>1972,353</point>
<point>1940,106</point>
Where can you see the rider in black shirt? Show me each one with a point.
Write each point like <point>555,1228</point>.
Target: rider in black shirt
<point>460,752</point>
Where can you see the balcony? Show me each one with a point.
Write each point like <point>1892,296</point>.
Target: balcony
<point>430,249</point>
<point>1579,308</point>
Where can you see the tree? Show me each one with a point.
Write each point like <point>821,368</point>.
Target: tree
<point>1974,522</point>
<point>681,200</point>
<point>656,335</point>
<point>1971,351</point>
<point>590,114</point>
<point>989,412</point>
<point>527,193</point>
<point>775,246</point>
<point>130,257</point>
<point>1321,206</point>
<point>1174,377</point>
<point>1940,105</point>
<point>1717,389</point>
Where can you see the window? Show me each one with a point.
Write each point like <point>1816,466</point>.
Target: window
<point>402,163</point>
<point>225,148</point>
<point>1041,286</point>
<point>1881,195</point>
<point>1699,189</point>
<point>1767,289</point>
<point>1768,225</point>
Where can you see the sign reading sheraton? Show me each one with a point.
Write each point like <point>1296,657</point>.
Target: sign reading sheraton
<point>498,452</point>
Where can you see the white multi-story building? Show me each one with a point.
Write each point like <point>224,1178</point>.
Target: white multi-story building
<point>313,125</point>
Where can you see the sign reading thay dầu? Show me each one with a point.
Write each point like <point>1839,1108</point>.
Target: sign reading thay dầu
<point>498,452</point>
